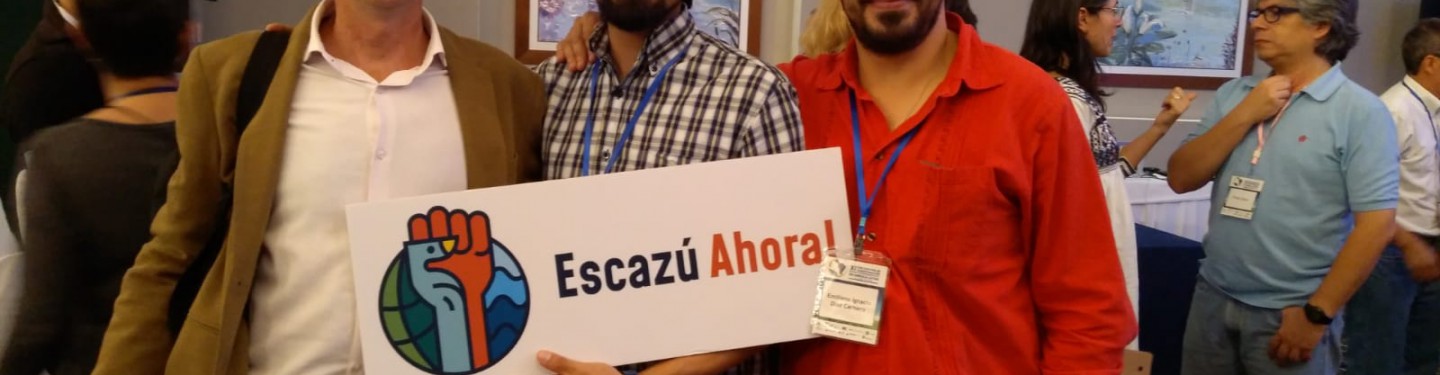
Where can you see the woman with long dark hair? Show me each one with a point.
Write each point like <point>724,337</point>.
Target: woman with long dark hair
<point>1066,37</point>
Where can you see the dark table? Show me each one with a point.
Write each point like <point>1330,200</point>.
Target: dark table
<point>1168,268</point>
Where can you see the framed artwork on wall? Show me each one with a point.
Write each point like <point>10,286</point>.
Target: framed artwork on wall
<point>1194,44</point>
<point>542,23</point>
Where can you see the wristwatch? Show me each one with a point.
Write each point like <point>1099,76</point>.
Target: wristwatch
<point>1317,316</point>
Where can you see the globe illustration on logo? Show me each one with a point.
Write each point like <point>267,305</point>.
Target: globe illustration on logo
<point>454,301</point>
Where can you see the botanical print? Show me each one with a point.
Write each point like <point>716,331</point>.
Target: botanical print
<point>1183,34</point>
<point>720,18</point>
<point>557,16</point>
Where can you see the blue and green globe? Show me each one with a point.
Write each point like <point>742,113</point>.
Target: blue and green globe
<point>413,325</point>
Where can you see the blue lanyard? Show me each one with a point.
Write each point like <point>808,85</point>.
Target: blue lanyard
<point>867,194</point>
<point>147,91</point>
<point>1428,115</point>
<point>629,126</point>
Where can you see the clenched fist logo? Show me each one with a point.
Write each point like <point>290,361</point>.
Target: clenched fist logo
<point>474,289</point>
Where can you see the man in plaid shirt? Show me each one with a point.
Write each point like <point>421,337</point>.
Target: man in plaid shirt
<point>662,93</point>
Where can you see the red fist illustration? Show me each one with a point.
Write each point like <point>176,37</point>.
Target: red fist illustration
<point>466,239</point>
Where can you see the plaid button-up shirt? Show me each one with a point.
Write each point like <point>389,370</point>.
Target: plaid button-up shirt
<point>716,103</point>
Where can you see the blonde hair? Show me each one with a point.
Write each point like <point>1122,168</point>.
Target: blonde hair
<point>827,31</point>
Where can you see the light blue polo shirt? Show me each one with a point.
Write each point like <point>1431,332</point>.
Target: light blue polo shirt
<point>1333,154</point>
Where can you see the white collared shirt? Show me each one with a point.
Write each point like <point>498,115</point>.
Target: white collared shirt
<point>350,140</point>
<point>1419,165</point>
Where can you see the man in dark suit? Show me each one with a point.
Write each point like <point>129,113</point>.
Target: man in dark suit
<point>50,81</point>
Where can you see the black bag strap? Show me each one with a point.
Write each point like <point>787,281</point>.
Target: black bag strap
<point>259,72</point>
<point>254,83</point>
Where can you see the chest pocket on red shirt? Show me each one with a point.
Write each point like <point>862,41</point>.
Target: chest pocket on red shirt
<point>956,237</point>
<point>959,219</point>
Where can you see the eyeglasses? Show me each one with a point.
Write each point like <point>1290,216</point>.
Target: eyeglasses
<point>1273,13</point>
<point>1115,10</point>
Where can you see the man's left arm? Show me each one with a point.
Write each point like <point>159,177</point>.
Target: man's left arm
<point>1298,337</point>
<point>1372,231</point>
<point>773,127</point>
<point>1371,168</point>
<point>1084,313</point>
<point>1372,182</point>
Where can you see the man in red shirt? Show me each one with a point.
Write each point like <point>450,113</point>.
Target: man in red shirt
<point>1003,262</point>
<point>992,215</point>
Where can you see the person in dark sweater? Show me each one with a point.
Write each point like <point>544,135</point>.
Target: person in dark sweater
<point>90,187</point>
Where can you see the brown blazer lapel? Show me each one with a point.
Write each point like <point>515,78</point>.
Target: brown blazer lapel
<point>488,160</point>
<point>256,175</point>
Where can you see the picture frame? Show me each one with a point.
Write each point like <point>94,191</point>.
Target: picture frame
<point>1193,44</point>
<point>540,24</point>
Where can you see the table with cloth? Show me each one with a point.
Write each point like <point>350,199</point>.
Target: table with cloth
<point>1168,231</point>
<point>1156,206</point>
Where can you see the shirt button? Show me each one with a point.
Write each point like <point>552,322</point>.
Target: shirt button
<point>654,69</point>
<point>380,155</point>
<point>617,92</point>
<point>605,155</point>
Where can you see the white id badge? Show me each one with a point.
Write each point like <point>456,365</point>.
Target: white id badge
<point>1240,202</point>
<point>851,296</point>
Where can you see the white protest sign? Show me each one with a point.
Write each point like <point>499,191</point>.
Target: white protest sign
<point>617,268</point>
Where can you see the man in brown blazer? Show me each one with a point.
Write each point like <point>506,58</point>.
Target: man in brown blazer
<point>372,101</point>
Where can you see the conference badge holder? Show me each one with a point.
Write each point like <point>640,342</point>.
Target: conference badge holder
<point>851,295</point>
<point>1244,192</point>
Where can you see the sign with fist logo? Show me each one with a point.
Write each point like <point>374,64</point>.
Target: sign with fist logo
<point>617,268</point>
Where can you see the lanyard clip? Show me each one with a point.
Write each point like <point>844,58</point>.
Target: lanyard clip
<point>859,245</point>
<point>860,236</point>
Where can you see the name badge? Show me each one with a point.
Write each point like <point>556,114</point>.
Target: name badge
<point>851,296</point>
<point>1240,202</point>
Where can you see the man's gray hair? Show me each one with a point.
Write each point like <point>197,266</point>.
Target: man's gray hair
<point>1340,15</point>
<point>1421,42</point>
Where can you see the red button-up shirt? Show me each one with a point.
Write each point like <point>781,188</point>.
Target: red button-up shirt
<point>994,218</point>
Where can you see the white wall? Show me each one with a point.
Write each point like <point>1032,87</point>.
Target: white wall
<point>1375,63</point>
<point>227,17</point>
<point>490,21</point>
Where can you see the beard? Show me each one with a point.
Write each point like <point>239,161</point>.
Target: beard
<point>898,31</point>
<point>635,15</point>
